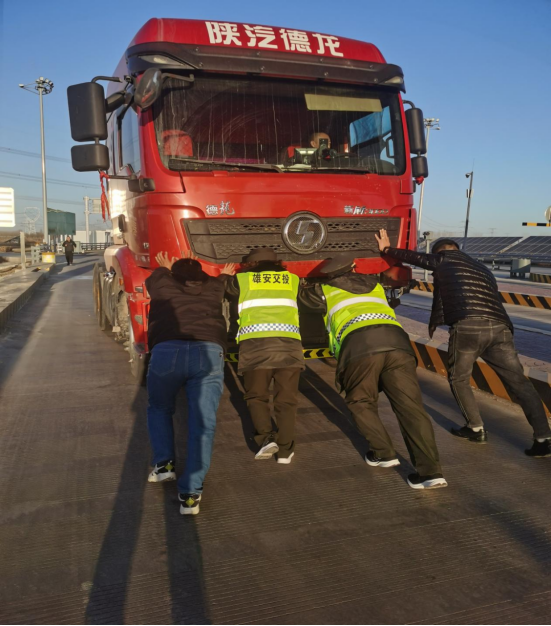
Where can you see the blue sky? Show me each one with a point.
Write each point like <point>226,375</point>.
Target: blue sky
<point>482,67</point>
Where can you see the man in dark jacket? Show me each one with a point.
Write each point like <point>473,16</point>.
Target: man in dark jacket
<point>374,354</point>
<point>466,299</point>
<point>69,246</point>
<point>187,338</point>
<point>269,349</point>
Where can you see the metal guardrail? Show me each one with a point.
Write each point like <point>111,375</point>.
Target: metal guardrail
<point>88,247</point>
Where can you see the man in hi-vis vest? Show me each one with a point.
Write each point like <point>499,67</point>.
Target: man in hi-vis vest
<point>374,353</point>
<point>269,349</point>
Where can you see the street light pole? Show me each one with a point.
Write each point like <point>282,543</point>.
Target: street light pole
<point>43,153</point>
<point>87,217</point>
<point>469,196</point>
<point>43,87</point>
<point>430,122</point>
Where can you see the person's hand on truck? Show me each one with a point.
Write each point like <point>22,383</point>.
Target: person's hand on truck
<point>163,260</point>
<point>229,269</point>
<point>382,240</point>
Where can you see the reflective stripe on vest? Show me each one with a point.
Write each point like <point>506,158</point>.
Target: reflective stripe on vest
<point>350,301</point>
<point>347,312</point>
<point>247,304</point>
<point>268,305</point>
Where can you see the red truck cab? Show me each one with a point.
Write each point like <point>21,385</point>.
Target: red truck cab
<point>227,137</point>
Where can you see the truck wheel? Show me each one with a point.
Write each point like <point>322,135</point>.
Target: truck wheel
<point>99,268</point>
<point>138,361</point>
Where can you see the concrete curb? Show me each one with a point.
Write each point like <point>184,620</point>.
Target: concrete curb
<point>433,356</point>
<point>506,297</point>
<point>13,307</point>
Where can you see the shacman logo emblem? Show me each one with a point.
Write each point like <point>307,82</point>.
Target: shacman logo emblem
<point>304,233</point>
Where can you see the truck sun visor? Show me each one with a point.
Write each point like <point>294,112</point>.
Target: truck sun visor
<point>328,102</point>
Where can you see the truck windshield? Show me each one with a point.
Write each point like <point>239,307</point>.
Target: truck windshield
<point>278,125</point>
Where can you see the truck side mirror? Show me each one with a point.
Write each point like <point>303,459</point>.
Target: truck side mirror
<point>419,167</point>
<point>87,112</point>
<point>149,88</point>
<point>416,131</point>
<point>90,157</point>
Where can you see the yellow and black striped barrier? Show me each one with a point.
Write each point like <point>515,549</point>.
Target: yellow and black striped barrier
<point>317,353</point>
<point>433,356</point>
<point>525,299</point>
<point>421,285</point>
<point>507,297</point>
<point>541,278</point>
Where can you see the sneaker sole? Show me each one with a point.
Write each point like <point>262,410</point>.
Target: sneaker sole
<point>286,460</point>
<point>392,463</point>
<point>184,510</point>
<point>267,452</point>
<point>435,483</point>
<point>161,478</point>
<point>538,456</point>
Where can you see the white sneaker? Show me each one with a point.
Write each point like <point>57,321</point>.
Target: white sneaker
<point>162,473</point>
<point>269,448</point>
<point>285,460</point>
<point>372,459</point>
<point>189,503</point>
<point>426,482</point>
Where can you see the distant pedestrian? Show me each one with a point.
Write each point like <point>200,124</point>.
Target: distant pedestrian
<point>187,339</point>
<point>69,246</point>
<point>270,349</point>
<point>374,354</point>
<point>466,299</point>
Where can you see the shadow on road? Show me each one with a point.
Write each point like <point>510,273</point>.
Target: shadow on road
<point>112,579</point>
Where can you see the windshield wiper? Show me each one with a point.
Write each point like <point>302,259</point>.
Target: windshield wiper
<point>332,170</point>
<point>174,164</point>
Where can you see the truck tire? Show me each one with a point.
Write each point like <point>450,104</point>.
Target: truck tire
<point>138,362</point>
<point>99,268</point>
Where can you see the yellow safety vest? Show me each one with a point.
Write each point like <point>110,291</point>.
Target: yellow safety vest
<point>349,311</point>
<point>268,305</point>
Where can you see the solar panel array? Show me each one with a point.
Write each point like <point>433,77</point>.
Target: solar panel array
<point>535,248</point>
<point>488,245</point>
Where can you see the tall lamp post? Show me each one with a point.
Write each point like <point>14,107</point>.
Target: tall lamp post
<point>430,122</point>
<point>469,196</point>
<point>43,87</point>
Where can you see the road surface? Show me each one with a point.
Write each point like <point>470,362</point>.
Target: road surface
<point>85,539</point>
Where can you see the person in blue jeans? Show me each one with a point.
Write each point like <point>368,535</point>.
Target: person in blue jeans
<point>187,337</point>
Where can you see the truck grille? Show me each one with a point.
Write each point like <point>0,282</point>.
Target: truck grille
<point>229,240</point>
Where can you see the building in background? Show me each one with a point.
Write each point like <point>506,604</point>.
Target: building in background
<point>96,236</point>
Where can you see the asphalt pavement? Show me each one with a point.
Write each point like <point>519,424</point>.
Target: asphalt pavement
<point>84,539</point>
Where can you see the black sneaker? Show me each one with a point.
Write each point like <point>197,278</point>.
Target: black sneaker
<point>268,449</point>
<point>426,482</point>
<point>189,503</point>
<point>470,435</point>
<point>540,449</point>
<point>161,472</point>
<point>372,459</point>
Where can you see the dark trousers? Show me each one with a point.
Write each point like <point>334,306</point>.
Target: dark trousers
<point>257,394</point>
<point>69,257</point>
<point>493,341</point>
<point>395,374</point>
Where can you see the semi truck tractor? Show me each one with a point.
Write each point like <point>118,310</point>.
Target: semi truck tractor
<point>216,138</point>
